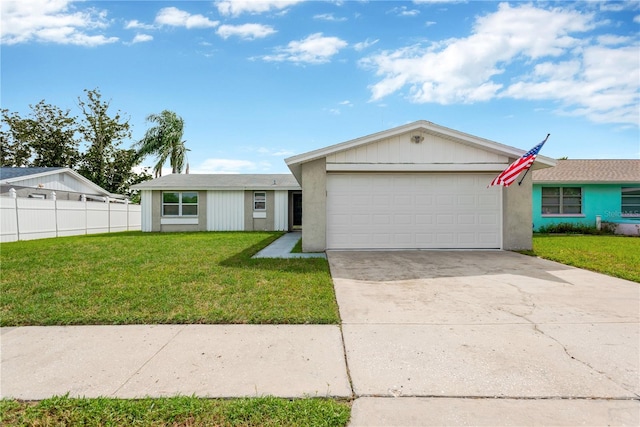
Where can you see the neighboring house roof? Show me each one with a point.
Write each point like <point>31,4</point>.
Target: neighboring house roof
<point>221,182</point>
<point>295,162</point>
<point>590,171</point>
<point>20,176</point>
<point>9,174</point>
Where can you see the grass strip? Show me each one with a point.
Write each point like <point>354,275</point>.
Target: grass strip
<point>617,256</point>
<point>161,278</point>
<point>175,411</point>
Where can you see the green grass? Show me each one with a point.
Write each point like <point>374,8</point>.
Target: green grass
<point>297,249</point>
<point>175,411</point>
<point>153,278</point>
<point>616,256</point>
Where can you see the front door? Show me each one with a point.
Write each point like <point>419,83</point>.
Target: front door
<point>296,210</point>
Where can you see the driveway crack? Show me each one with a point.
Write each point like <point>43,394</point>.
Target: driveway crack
<point>537,329</point>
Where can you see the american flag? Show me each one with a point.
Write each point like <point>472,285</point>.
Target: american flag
<point>510,174</point>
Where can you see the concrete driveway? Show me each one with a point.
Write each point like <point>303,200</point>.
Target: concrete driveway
<point>486,338</point>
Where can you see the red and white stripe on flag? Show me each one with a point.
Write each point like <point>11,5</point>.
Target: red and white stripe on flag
<point>510,174</point>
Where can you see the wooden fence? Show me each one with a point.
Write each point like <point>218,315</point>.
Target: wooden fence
<point>28,219</point>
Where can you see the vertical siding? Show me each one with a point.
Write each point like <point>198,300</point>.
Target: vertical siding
<point>225,210</point>
<point>281,211</point>
<point>146,200</point>
<point>400,149</point>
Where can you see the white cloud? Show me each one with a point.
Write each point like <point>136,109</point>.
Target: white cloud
<point>225,166</point>
<point>365,44</point>
<point>593,77</point>
<point>404,11</point>
<point>246,31</point>
<point>315,49</point>
<point>283,153</point>
<point>53,21</point>
<point>135,24</point>
<point>636,19</point>
<point>238,7</point>
<point>175,17</point>
<point>269,151</point>
<point>141,38</point>
<point>329,17</point>
<point>602,85</point>
<point>609,39</point>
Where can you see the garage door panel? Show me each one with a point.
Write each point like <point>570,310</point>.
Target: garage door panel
<point>412,211</point>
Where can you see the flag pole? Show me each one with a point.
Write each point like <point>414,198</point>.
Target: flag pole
<point>527,171</point>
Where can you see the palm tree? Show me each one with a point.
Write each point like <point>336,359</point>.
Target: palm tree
<point>164,140</point>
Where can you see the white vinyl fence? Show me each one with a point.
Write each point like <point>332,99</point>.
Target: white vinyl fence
<point>28,219</point>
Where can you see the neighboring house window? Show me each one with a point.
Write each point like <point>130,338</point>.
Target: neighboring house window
<point>179,204</point>
<point>561,200</point>
<point>259,201</point>
<point>630,201</point>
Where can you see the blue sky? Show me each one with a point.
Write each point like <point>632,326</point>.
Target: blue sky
<point>259,81</point>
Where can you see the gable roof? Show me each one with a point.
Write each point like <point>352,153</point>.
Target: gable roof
<point>295,162</point>
<point>10,175</point>
<point>221,182</point>
<point>590,171</point>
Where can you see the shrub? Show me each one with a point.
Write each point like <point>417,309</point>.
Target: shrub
<point>577,228</point>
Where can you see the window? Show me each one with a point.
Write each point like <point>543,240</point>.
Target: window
<point>630,204</point>
<point>259,201</point>
<point>561,200</point>
<point>180,204</point>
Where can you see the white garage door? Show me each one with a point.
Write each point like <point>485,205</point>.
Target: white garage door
<point>405,211</point>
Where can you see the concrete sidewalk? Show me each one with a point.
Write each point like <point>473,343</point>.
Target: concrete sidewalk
<point>166,360</point>
<point>282,247</point>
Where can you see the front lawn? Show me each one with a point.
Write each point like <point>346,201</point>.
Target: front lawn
<point>176,411</point>
<point>152,278</point>
<point>617,256</point>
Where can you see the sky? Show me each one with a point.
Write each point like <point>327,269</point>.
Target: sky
<point>259,81</point>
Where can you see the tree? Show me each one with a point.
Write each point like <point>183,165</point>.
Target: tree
<point>14,151</point>
<point>164,140</point>
<point>103,163</point>
<point>45,138</point>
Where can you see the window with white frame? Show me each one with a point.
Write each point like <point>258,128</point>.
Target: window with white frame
<point>561,200</point>
<point>630,201</point>
<point>179,204</point>
<point>259,201</point>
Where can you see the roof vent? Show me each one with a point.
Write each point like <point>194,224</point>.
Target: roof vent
<point>417,139</point>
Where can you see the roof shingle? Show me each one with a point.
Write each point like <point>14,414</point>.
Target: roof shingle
<point>221,182</point>
<point>590,171</point>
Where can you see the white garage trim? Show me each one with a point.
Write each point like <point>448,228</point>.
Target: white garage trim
<point>413,211</point>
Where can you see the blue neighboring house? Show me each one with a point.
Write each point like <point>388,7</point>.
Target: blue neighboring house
<point>588,191</point>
